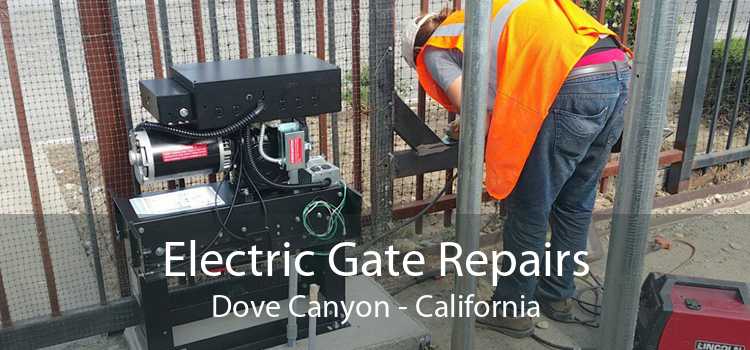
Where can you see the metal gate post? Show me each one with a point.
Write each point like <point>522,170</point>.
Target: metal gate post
<point>106,100</point>
<point>255,27</point>
<point>644,121</point>
<point>166,37</point>
<point>200,41</point>
<point>80,158</point>
<point>476,73</point>
<point>153,35</point>
<point>214,30</point>
<point>331,13</point>
<point>280,30</point>
<point>696,81</point>
<point>320,50</point>
<point>381,62</point>
<point>239,8</point>
<point>297,17</point>
<point>356,99</point>
<point>448,214</point>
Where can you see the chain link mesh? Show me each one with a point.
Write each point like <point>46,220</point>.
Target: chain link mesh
<point>149,39</point>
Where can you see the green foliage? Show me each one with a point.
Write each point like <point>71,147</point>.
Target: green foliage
<point>614,15</point>
<point>364,91</point>
<point>731,83</point>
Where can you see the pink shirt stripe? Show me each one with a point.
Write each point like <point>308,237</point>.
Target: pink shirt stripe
<point>606,56</point>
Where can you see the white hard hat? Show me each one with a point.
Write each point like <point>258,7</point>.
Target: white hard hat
<point>409,36</point>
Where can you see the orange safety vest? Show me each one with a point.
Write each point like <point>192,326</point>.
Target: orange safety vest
<point>536,45</point>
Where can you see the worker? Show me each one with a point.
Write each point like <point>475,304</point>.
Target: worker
<point>558,88</point>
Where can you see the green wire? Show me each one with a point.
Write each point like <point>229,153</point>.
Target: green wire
<point>336,217</point>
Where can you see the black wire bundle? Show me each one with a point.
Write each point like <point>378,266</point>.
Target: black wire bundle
<point>195,135</point>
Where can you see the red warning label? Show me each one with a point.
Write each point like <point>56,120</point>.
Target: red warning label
<point>295,150</point>
<point>199,150</point>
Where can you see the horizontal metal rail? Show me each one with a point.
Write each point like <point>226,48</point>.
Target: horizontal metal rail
<point>74,324</point>
<point>721,157</point>
<point>448,202</point>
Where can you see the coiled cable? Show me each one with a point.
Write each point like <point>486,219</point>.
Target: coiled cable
<point>195,135</point>
<point>336,221</point>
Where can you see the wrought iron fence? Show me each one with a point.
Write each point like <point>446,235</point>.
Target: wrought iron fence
<point>712,127</point>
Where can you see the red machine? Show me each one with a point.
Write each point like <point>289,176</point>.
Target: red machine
<point>683,313</point>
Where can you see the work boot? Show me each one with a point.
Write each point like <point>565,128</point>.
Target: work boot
<point>560,311</point>
<point>516,327</point>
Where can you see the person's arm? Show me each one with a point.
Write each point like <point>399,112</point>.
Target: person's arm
<point>445,67</point>
<point>454,92</point>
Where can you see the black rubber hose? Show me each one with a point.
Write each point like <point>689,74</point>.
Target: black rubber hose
<point>194,135</point>
<point>264,179</point>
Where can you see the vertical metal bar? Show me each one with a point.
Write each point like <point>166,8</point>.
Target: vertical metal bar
<point>239,6</point>
<point>153,36</point>
<point>75,129</point>
<point>214,30</point>
<point>28,157</point>
<point>297,16</point>
<point>5,320</point>
<point>280,30</point>
<point>332,58</point>
<point>165,37</point>
<point>124,91</point>
<point>167,43</point>
<point>356,98</point>
<point>696,81</point>
<point>644,125</point>
<point>448,214</point>
<point>424,7</point>
<point>627,16</point>
<point>320,48</point>
<point>740,90</point>
<point>602,14</point>
<point>200,44</point>
<point>120,57</point>
<point>200,41</point>
<point>476,73</point>
<point>106,97</point>
<point>381,64</point>
<point>722,77</point>
<point>255,27</point>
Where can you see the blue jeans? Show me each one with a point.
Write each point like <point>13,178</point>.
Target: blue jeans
<point>557,187</point>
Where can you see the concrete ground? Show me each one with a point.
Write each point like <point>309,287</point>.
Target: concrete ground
<point>20,262</point>
<point>722,252</point>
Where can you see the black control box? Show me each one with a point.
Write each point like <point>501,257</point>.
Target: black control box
<point>167,101</point>
<point>223,92</point>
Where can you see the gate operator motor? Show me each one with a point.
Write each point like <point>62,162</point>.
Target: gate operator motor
<point>682,313</point>
<point>162,157</point>
<point>245,120</point>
